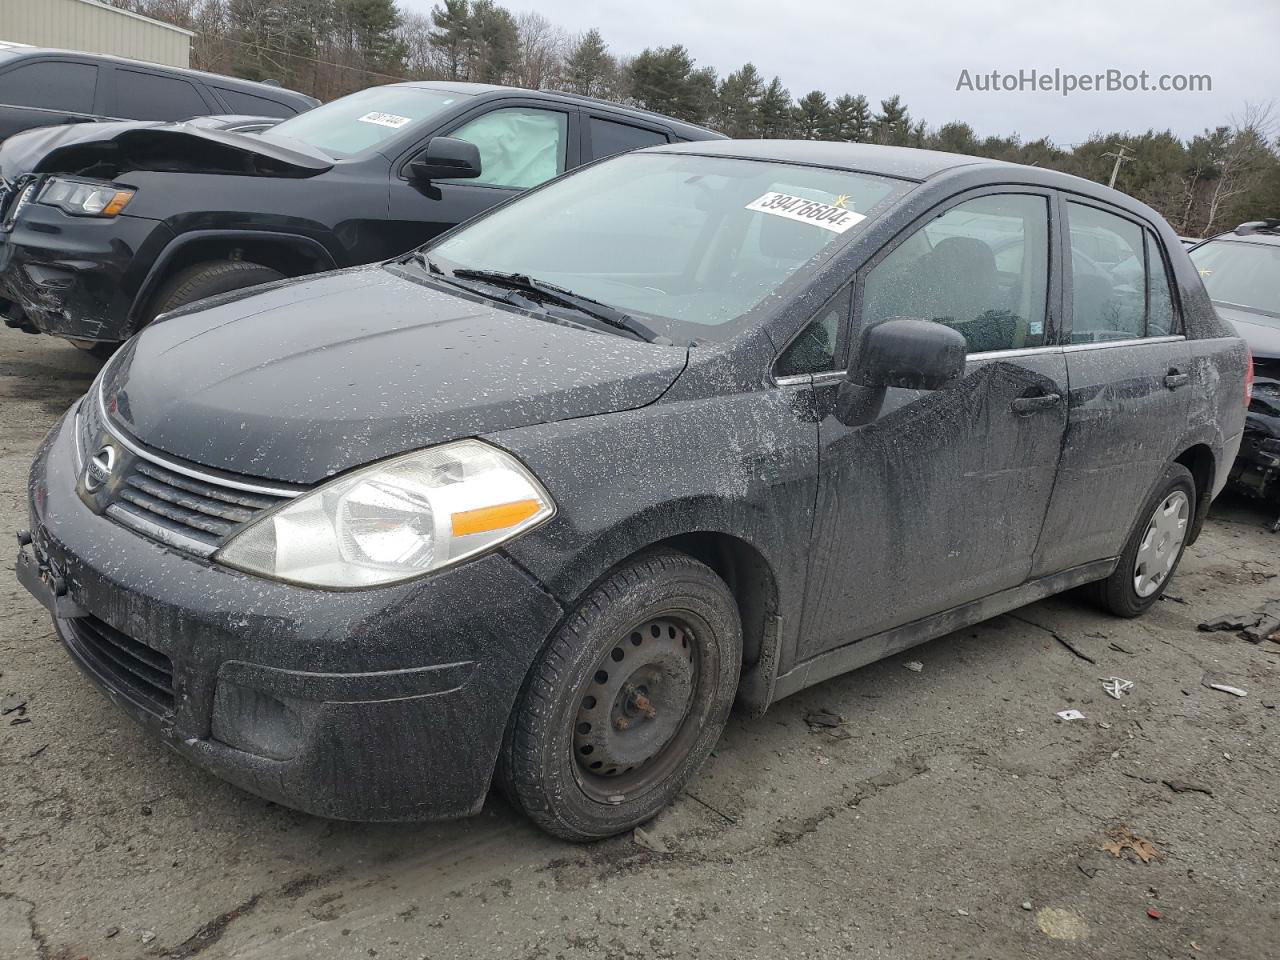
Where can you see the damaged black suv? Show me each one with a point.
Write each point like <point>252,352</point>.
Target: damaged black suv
<point>104,226</point>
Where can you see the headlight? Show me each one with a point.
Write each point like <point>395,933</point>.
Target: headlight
<point>85,199</point>
<point>395,520</point>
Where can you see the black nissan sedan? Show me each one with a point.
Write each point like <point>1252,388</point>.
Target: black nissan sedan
<point>539,501</point>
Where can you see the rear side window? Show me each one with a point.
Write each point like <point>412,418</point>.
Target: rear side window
<point>1108,276</point>
<point>519,146</point>
<point>1161,320</point>
<point>609,138</point>
<point>150,96</point>
<point>247,103</point>
<point>981,268</point>
<point>51,85</point>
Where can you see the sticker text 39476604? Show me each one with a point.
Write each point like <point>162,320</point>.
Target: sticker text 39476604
<point>828,216</point>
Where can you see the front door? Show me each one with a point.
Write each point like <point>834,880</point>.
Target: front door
<point>521,145</point>
<point>941,499</point>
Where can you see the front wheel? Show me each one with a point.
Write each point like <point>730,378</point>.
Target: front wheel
<point>626,701</point>
<point>209,279</point>
<point>1154,547</point>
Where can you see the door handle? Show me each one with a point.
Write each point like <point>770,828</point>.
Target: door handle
<point>1175,378</point>
<point>1045,401</point>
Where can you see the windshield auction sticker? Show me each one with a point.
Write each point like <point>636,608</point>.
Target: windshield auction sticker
<point>829,216</point>
<point>384,119</point>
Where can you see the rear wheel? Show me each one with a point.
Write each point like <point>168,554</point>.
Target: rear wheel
<point>627,700</point>
<point>208,280</point>
<point>1154,547</point>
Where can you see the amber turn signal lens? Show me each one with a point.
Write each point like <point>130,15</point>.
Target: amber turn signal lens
<point>487,519</point>
<point>117,203</point>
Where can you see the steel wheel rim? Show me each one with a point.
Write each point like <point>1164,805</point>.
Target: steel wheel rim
<point>636,710</point>
<point>1161,543</point>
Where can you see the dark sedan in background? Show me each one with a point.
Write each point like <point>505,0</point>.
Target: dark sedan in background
<point>103,227</point>
<point>702,422</point>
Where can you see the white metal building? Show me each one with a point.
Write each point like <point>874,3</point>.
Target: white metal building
<point>94,27</point>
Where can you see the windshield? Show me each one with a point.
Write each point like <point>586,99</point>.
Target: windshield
<point>362,120</point>
<point>1241,274</point>
<point>689,243</point>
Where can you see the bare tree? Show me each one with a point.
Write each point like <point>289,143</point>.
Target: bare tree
<point>540,51</point>
<point>1243,159</point>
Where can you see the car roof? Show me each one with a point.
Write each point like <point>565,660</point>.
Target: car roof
<point>681,127</point>
<point>905,162</point>
<point>215,79</point>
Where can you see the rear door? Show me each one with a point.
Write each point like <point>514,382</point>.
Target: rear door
<point>46,91</point>
<point>1128,364</point>
<point>941,499</point>
<point>522,143</point>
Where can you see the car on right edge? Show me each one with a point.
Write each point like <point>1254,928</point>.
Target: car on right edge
<point>1241,271</point>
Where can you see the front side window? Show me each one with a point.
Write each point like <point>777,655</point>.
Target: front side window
<point>361,121</point>
<point>1241,273</point>
<point>519,146</point>
<point>149,96</point>
<point>688,243</point>
<point>814,350</point>
<point>51,85</point>
<point>981,268</point>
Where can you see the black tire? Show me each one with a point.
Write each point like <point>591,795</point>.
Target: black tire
<point>1119,593</point>
<point>684,610</point>
<point>208,280</point>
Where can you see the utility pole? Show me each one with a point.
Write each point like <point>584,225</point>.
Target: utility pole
<point>1115,169</point>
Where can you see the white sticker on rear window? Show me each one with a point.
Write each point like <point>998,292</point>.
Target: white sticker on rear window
<point>829,216</point>
<point>384,119</point>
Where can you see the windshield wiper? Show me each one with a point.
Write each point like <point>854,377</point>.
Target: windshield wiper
<point>540,289</point>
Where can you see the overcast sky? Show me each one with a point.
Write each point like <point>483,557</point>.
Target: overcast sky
<point>917,48</point>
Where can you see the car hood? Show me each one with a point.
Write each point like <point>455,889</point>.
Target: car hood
<point>312,377</point>
<point>1260,332</point>
<point>112,148</point>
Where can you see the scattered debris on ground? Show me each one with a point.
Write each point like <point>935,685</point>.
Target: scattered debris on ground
<point>915,666</point>
<point>1059,924</point>
<point>1182,786</point>
<point>1254,625</point>
<point>1122,839</point>
<point>648,841</point>
<point>1117,687</point>
<point>1070,715</point>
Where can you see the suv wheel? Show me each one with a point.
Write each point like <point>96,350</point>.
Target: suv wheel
<point>208,280</point>
<point>1154,547</point>
<point>627,701</point>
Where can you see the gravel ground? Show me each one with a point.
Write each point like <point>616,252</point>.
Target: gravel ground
<point>957,817</point>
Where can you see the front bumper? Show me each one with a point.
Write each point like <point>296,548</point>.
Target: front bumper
<point>386,704</point>
<point>75,277</point>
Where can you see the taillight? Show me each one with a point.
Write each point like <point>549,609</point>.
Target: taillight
<point>1248,377</point>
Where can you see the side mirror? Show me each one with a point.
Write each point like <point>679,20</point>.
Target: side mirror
<point>445,157</point>
<point>901,352</point>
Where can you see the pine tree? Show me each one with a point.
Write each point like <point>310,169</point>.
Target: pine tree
<point>664,80</point>
<point>588,66</point>
<point>493,42</point>
<point>773,112</point>
<point>892,123</point>
<point>452,23</point>
<point>812,115</point>
<point>738,101</point>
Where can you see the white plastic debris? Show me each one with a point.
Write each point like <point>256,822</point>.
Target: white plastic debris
<point>1234,691</point>
<point>1070,714</point>
<point>915,666</point>
<point>1116,686</point>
